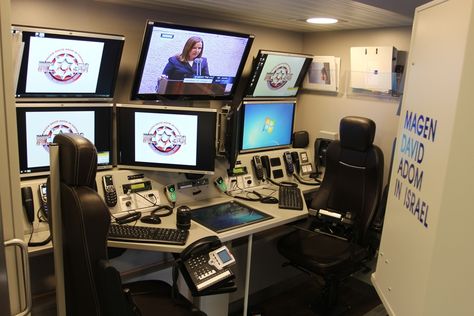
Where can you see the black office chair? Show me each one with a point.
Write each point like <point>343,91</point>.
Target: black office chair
<point>92,285</point>
<point>352,187</point>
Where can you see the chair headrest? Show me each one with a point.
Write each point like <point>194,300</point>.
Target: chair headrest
<point>77,160</point>
<point>356,133</point>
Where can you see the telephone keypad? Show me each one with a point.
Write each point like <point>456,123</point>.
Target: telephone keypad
<point>110,196</point>
<point>200,267</point>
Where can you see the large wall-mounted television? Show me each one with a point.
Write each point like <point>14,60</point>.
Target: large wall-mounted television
<point>62,65</point>
<point>266,125</point>
<point>277,74</point>
<point>184,62</point>
<point>39,123</point>
<point>171,139</point>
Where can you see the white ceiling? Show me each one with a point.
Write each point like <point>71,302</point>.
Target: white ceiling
<point>290,15</point>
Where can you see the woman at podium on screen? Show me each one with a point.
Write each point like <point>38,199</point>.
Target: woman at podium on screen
<point>189,63</point>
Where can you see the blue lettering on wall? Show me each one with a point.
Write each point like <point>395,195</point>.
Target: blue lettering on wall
<point>421,125</point>
<point>412,148</point>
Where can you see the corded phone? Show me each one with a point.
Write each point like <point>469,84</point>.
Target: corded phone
<point>205,264</point>
<point>290,168</point>
<point>266,165</point>
<point>258,167</point>
<point>295,158</point>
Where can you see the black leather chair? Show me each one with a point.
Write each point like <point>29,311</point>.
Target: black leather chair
<point>352,187</point>
<point>92,285</point>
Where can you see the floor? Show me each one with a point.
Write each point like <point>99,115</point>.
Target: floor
<point>296,301</point>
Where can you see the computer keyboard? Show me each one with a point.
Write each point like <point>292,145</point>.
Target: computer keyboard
<point>289,197</point>
<point>148,234</point>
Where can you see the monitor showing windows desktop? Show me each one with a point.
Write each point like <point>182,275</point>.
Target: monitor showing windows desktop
<point>184,62</point>
<point>62,65</point>
<point>277,74</point>
<point>266,125</point>
<point>172,139</point>
<point>38,124</point>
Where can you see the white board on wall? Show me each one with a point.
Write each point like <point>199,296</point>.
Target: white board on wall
<point>419,227</point>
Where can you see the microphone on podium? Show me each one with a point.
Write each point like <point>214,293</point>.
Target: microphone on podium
<point>198,62</point>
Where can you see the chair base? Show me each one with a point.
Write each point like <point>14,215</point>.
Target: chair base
<point>322,309</point>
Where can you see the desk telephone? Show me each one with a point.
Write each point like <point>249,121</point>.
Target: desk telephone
<point>288,159</point>
<point>205,264</point>
<point>258,167</point>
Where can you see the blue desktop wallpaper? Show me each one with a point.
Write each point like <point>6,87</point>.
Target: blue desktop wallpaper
<point>267,125</point>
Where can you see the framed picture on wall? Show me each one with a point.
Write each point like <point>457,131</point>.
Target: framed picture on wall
<point>323,74</point>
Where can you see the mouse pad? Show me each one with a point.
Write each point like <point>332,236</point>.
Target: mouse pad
<point>228,215</point>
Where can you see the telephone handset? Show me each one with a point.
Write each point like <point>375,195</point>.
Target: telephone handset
<point>266,165</point>
<point>295,157</point>
<point>290,168</point>
<point>110,194</point>
<point>205,264</point>
<point>43,197</point>
<point>258,167</point>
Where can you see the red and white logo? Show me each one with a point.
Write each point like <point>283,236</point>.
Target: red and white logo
<point>53,129</point>
<point>63,66</point>
<point>279,76</point>
<point>164,138</point>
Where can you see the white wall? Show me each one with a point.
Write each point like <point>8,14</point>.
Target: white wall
<point>323,112</point>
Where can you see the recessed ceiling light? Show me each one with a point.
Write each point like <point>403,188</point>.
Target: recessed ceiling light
<point>321,20</point>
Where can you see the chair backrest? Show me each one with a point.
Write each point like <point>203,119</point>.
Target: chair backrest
<point>354,173</point>
<point>85,225</point>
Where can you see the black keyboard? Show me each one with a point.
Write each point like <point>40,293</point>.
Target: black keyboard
<point>290,198</point>
<point>148,234</point>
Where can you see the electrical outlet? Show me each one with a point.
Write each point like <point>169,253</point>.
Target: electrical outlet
<point>247,181</point>
<point>231,183</point>
<point>140,200</point>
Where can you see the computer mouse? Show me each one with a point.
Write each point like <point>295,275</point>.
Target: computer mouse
<point>151,219</point>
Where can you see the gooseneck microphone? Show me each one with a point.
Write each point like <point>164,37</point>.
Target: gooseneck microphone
<point>27,199</point>
<point>198,62</point>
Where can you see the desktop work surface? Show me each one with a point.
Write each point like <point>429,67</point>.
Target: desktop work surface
<point>273,217</point>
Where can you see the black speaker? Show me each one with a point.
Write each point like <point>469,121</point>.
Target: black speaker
<point>183,217</point>
<point>300,139</point>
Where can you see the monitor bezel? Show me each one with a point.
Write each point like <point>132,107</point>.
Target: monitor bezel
<point>70,107</point>
<point>255,74</point>
<point>135,95</point>
<point>65,97</point>
<point>155,166</point>
<point>242,122</point>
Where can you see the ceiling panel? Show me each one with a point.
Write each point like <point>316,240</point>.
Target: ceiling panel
<point>285,14</point>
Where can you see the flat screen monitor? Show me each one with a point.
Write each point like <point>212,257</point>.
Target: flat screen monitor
<point>172,139</point>
<point>266,125</point>
<point>226,216</point>
<point>183,62</point>
<point>61,65</point>
<point>277,74</point>
<point>38,124</point>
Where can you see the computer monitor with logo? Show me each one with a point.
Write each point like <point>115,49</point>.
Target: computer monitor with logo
<point>277,74</point>
<point>63,65</point>
<point>171,139</point>
<point>38,124</point>
<point>266,125</point>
